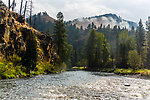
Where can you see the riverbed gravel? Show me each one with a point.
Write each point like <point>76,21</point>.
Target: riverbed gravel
<point>76,85</point>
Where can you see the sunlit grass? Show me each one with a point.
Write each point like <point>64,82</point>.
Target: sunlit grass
<point>78,68</point>
<point>142,72</point>
<point>123,71</point>
<point>9,71</point>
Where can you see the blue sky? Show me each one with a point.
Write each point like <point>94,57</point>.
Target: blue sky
<point>127,9</point>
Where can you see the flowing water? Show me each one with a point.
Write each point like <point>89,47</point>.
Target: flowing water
<point>75,85</point>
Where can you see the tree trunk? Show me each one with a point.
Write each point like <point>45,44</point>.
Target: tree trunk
<point>21,7</point>
<point>25,9</point>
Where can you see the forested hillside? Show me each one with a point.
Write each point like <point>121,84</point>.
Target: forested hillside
<point>77,37</point>
<point>119,43</point>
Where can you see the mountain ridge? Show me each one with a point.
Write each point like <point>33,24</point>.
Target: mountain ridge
<point>44,16</point>
<point>106,19</point>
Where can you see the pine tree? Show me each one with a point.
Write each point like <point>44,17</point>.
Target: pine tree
<point>106,53</point>
<point>48,31</point>
<point>89,26</point>
<point>60,38</point>
<point>117,49</point>
<point>148,38</point>
<point>140,35</point>
<point>134,59</point>
<point>97,51</point>
<point>142,45</point>
<point>74,58</point>
<point>90,50</point>
<point>30,56</point>
<point>9,4</point>
<point>125,43</point>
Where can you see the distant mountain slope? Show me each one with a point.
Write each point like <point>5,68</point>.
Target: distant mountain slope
<point>45,17</point>
<point>42,22</point>
<point>105,20</point>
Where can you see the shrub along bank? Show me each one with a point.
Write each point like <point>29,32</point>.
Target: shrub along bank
<point>142,72</point>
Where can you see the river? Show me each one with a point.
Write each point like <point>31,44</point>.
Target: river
<point>75,85</point>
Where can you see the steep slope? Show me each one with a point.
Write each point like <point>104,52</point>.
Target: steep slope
<point>15,32</point>
<point>105,20</point>
<point>42,22</point>
<point>46,17</point>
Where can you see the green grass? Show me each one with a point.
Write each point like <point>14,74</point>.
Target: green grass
<point>123,71</point>
<point>78,68</point>
<point>9,71</point>
<point>142,72</point>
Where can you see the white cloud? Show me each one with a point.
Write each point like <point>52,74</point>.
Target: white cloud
<point>128,9</point>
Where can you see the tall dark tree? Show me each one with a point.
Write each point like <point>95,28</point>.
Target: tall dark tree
<point>102,56</point>
<point>9,4</point>
<point>140,35</point>
<point>13,5</point>
<point>31,7</point>
<point>21,7</point>
<point>25,9</point>
<point>106,53</point>
<point>100,29</point>
<point>60,38</point>
<point>142,45</point>
<point>93,25</point>
<point>30,55</point>
<point>89,26</point>
<point>148,38</point>
<point>97,51</point>
<point>117,49</point>
<point>90,50</point>
<point>125,43</point>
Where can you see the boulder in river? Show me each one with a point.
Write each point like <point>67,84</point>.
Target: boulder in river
<point>127,84</point>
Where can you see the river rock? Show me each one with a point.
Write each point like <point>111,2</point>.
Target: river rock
<point>126,84</point>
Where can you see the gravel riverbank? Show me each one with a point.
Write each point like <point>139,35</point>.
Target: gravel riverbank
<point>76,85</point>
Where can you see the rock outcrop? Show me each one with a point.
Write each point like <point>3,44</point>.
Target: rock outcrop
<point>15,31</point>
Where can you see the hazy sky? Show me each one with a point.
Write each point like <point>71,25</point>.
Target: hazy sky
<point>127,9</point>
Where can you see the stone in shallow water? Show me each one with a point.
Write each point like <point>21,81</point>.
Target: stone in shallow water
<point>127,84</point>
<point>136,96</point>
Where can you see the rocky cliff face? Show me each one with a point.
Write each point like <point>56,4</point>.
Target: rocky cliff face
<point>15,31</point>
